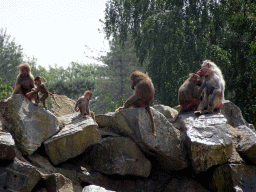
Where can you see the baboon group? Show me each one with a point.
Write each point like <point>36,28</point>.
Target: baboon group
<point>193,94</point>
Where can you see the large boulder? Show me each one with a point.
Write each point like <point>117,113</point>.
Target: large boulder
<point>234,178</point>
<point>7,146</point>
<point>246,146</point>
<point>30,125</point>
<point>208,140</point>
<point>66,105</point>
<point>105,120</point>
<point>115,183</point>
<point>58,182</point>
<point>236,137</point>
<point>78,134</point>
<point>184,184</point>
<point>120,156</point>
<point>234,115</point>
<point>42,163</point>
<point>168,112</point>
<point>18,176</point>
<point>166,147</point>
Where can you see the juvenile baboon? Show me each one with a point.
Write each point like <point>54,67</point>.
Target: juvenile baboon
<point>40,87</point>
<point>214,90</point>
<point>189,94</point>
<point>25,80</point>
<point>82,104</point>
<point>143,94</point>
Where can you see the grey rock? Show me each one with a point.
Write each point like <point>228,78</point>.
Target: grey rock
<point>18,176</point>
<point>236,178</point>
<point>246,147</point>
<point>7,146</point>
<point>105,120</point>
<point>58,182</point>
<point>77,134</point>
<point>41,163</point>
<point>234,115</point>
<point>166,147</point>
<point>236,137</point>
<point>107,132</point>
<point>208,140</point>
<point>167,111</point>
<point>30,125</point>
<point>185,184</point>
<point>110,183</point>
<point>120,156</point>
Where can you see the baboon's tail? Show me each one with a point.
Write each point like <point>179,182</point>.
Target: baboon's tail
<point>151,119</point>
<point>54,99</point>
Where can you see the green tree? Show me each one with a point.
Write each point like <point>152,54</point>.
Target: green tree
<point>10,57</point>
<point>167,34</point>
<point>72,81</point>
<point>176,36</point>
<point>5,90</point>
<point>236,35</point>
<point>115,87</point>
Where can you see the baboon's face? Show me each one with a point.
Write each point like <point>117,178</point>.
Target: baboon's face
<point>24,71</point>
<point>204,71</point>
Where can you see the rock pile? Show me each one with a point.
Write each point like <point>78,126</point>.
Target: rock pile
<point>41,152</point>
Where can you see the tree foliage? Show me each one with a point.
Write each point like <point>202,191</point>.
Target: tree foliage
<point>10,57</point>
<point>176,36</point>
<point>114,88</point>
<point>5,90</point>
<point>72,82</point>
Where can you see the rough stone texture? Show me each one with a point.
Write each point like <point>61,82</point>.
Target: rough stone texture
<point>107,132</point>
<point>234,115</point>
<point>236,137</point>
<point>94,188</point>
<point>42,163</point>
<point>184,185</point>
<point>210,148</point>
<point>118,183</point>
<point>30,125</point>
<point>208,140</point>
<point>105,120</point>
<point>18,176</point>
<point>236,178</point>
<point>3,105</point>
<point>67,105</point>
<point>7,146</point>
<point>246,147</point>
<point>167,111</point>
<point>58,182</point>
<point>120,156</point>
<point>166,147</point>
<point>77,134</point>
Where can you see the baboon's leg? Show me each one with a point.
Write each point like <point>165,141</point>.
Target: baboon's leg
<point>203,104</point>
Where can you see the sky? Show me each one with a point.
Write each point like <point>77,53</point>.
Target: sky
<point>55,31</point>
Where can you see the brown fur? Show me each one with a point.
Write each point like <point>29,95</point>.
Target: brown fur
<point>82,104</point>
<point>40,87</point>
<point>189,94</point>
<point>143,94</point>
<point>25,80</point>
<point>215,86</point>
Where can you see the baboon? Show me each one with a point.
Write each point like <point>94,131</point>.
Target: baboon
<point>189,94</point>
<point>143,94</point>
<point>40,87</point>
<point>82,104</point>
<point>214,90</point>
<point>25,80</point>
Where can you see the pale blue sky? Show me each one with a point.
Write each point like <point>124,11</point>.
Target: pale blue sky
<point>55,31</point>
